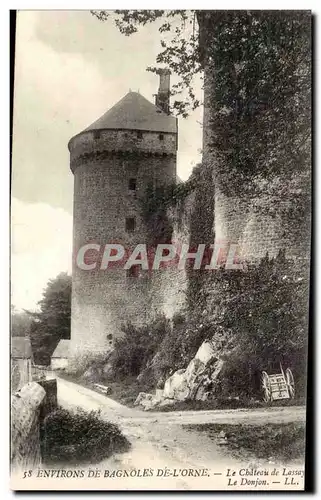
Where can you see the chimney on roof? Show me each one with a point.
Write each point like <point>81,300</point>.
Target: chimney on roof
<point>163,94</point>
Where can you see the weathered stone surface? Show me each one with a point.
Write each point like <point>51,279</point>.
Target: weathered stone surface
<point>176,386</point>
<point>25,421</point>
<point>166,402</point>
<point>195,381</point>
<point>222,439</point>
<point>146,400</point>
<point>149,401</point>
<point>159,394</point>
<point>205,353</point>
<point>142,396</point>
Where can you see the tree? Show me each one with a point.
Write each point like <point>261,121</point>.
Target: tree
<point>179,42</point>
<point>52,323</point>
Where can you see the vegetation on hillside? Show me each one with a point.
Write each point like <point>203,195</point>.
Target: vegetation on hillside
<point>136,348</point>
<point>256,318</point>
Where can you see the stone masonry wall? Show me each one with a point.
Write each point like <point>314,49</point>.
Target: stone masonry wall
<point>103,299</point>
<point>256,233</point>
<point>238,219</point>
<point>170,284</point>
<point>25,426</point>
<point>121,141</point>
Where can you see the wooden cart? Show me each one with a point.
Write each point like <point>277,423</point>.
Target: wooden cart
<point>278,385</point>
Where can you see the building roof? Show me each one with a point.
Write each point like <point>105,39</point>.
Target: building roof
<point>62,349</point>
<point>134,112</point>
<point>21,348</point>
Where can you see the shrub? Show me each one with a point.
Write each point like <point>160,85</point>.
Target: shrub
<point>79,437</point>
<point>138,346</point>
<point>78,364</point>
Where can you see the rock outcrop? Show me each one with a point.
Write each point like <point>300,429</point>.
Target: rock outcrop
<point>194,382</point>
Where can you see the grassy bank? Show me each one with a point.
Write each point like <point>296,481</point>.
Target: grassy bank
<point>283,443</point>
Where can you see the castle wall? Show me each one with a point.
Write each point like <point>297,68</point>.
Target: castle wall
<point>260,225</point>
<point>124,141</point>
<point>237,220</point>
<point>103,299</point>
<point>170,284</point>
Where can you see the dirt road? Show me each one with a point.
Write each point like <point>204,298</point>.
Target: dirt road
<point>159,443</point>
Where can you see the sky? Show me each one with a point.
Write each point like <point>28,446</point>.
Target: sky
<point>70,69</point>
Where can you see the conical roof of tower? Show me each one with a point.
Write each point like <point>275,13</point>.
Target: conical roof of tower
<point>134,112</point>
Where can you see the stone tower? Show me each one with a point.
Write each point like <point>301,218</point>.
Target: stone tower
<point>114,160</point>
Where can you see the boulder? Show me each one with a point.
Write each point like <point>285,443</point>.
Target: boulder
<point>176,386</point>
<point>158,394</point>
<point>217,369</point>
<point>166,402</point>
<point>195,368</point>
<point>201,371</point>
<point>142,396</point>
<point>149,404</point>
<point>146,400</point>
<point>205,353</point>
<point>222,439</point>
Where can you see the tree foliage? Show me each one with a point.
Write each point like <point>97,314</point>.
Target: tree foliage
<point>260,78</point>
<point>178,30</point>
<point>52,322</point>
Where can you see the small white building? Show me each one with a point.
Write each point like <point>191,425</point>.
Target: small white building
<point>59,358</point>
